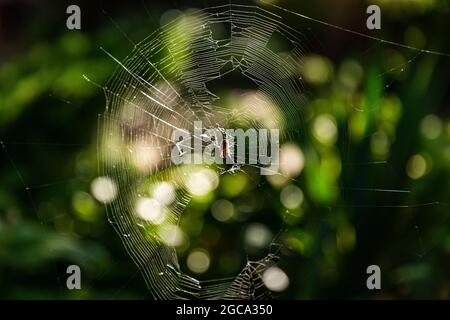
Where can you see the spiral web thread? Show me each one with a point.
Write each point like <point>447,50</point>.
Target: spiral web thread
<point>162,86</point>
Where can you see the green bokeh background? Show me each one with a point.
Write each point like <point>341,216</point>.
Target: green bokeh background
<point>390,107</point>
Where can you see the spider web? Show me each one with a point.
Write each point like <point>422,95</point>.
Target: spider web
<point>163,85</point>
